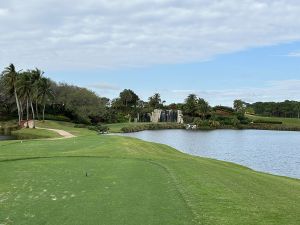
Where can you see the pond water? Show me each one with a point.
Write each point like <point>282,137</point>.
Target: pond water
<point>276,152</point>
<point>4,137</point>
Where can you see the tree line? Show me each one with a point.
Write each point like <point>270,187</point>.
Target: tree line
<point>288,109</point>
<point>27,88</point>
<point>30,95</point>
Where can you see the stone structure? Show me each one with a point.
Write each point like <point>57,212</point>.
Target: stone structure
<point>179,117</point>
<point>170,116</point>
<point>155,116</point>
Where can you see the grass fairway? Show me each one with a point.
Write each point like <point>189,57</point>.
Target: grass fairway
<point>116,191</point>
<point>292,122</point>
<point>134,182</point>
<point>26,133</point>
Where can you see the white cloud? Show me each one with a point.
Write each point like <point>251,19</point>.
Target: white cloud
<point>272,91</point>
<point>293,54</point>
<point>103,33</point>
<point>3,12</point>
<point>105,86</point>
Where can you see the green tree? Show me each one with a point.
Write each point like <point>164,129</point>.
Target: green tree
<point>190,105</point>
<point>45,92</point>
<point>297,108</point>
<point>129,101</point>
<point>155,101</point>
<point>7,101</point>
<point>239,106</point>
<point>36,75</point>
<point>129,98</point>
<point>79,104</point>
<point>203,107</point>
<point>25,87</point>
<point>10,77</point>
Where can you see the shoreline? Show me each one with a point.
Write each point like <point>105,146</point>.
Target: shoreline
<point>139,127</point>
<point>205,156</point>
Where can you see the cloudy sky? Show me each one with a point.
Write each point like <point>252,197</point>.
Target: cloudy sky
<point>218,49</point>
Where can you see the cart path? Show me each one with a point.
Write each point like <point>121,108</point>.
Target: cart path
<point>62,133</point>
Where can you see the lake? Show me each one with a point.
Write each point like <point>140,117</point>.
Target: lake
<point>276,152</point>
<point>4,137</point>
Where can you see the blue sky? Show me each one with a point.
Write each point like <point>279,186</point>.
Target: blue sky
<point>218,49</point>
<point>269,73</point>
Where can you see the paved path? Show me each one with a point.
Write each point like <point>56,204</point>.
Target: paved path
<point>62,133</point>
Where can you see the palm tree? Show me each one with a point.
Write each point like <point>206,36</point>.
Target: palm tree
<point>44,91</point>
<point>155,101</point>
<point>190,105</point>
<point>37,74</point>
<point>10,76</point>
<point>25,86</point>
<point>203,107</point>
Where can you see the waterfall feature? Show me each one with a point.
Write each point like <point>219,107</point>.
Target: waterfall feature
<point>171,116</point>
<point>155,115</point>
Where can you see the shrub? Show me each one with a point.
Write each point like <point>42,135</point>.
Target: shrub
<point>214,124</point>
<point>269,126</point>
<point>201,123</point>
<point>152,126</point>
<point>204,124</point>
<point>99,128</point>
<point>267,121</point>
<point>224,120</point>
<point>188,119</point>
<point>57,118</point>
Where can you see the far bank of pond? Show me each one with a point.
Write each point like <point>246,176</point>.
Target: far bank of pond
<point>276,152</point>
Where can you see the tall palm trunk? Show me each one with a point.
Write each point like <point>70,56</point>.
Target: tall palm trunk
<point>27,111</point>
<point>36,110</point>
<point>18,106</point>
<point>21,109</point>
<point>33,115</point>
<point>44,112</point>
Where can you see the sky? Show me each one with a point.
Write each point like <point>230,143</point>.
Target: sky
<point>220,50</point>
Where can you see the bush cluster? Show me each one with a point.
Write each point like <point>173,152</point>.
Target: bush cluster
<point>227,120</point>
<point>189,119</point>
<point>152,126</point>
<point>101,129</point>
<point>224,108</point>
<point>269,126</point>
<point>267,121</point>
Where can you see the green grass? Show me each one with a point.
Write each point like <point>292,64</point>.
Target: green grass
<point>116,127</point>
<point>134,182</point>
<point>291,122</point>
<point>64,126</point>
<point>27,133</point>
